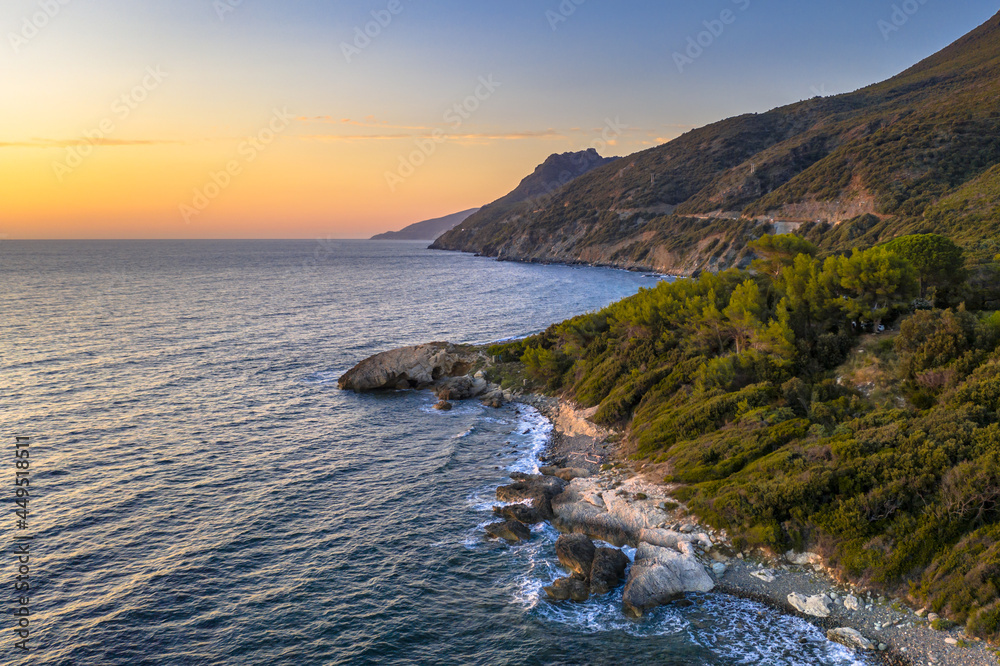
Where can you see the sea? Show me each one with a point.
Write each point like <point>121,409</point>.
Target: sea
<point>196,489</point>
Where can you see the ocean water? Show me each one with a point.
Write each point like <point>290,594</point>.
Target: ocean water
<point>202,493</point>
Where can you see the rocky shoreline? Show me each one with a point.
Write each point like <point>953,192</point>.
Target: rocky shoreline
<point>795,583</point>
<point>587,490</point>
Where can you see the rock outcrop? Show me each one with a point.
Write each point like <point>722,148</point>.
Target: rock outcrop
<point>817,605</point>
<point>851,638</point>
<point>576,553</point>
<point>522,513</point>
<point>607,570</point>
<point>565,589</point>
<point>803,559</point>
<point>660,575</point>
<point>594,570</point>
<point>537,488</point>
<point>462,387</point>
<point>509,530</point>
<point>616,516</point>
<point>421,366</point>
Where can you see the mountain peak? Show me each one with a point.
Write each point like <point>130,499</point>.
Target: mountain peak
<point>884,154</point>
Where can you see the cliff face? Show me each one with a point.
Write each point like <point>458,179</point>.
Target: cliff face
<point>888,152</point>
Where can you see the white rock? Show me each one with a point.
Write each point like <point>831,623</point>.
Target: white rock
<point>594,497</point>
<point>765,575</point>
<point>951,641</point>
<point>802,559</point>
<point>661,574</point>
<point>851,602</point>
<point>663,538</point>
<point>933,616</point>
<point>719,569</point>
<point>852,638</point>
<point>817,605</point>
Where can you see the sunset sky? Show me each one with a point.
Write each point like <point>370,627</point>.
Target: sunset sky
<point>273,119</point>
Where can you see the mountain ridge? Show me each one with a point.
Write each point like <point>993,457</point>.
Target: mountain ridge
<point>889,150</point>
<point>428,230</point>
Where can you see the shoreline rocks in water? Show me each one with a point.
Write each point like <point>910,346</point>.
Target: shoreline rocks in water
<point>440,366</point>
<point>420,366</point>
<point>662,571</point>
<point>511,531</point>
<point>594,570</point>
<point>619,507</point>
<point>539,490</point>
<point>660,575</point>
<point>576,553</point>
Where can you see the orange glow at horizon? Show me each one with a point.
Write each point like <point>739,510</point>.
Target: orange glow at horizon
<point>292,187</point>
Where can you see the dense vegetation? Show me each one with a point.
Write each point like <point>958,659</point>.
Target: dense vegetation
<point>918,153</point>
<point>786,416</point>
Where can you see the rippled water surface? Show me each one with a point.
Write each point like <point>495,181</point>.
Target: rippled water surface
<point>203,494</point>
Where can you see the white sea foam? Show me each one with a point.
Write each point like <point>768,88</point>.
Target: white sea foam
<point>539,434</point>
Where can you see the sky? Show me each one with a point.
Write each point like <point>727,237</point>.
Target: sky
<point>345,118</point>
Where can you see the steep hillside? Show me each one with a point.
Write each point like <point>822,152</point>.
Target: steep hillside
<point>538,188</point>
<point>893,151</point>
<point>766,402</point>
<point>428,229</point>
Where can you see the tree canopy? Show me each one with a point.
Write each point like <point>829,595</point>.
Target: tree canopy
<point>938,261</point>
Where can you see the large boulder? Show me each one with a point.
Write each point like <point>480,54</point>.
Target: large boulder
<point>419,366</point>
<point>576,553</point>
<point>522,513</point>
<point>673,539</point>
<point>509,530</point>
<point>494,399</point>
<point>616,516</point>
<point>461,388</point>
<point>660,575</point>
<point>851,638</point>
<point>537,488</point>
<point>607,570</point>
<point>817,605</point>
<point>803,559</point>
<point>568,588</point>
